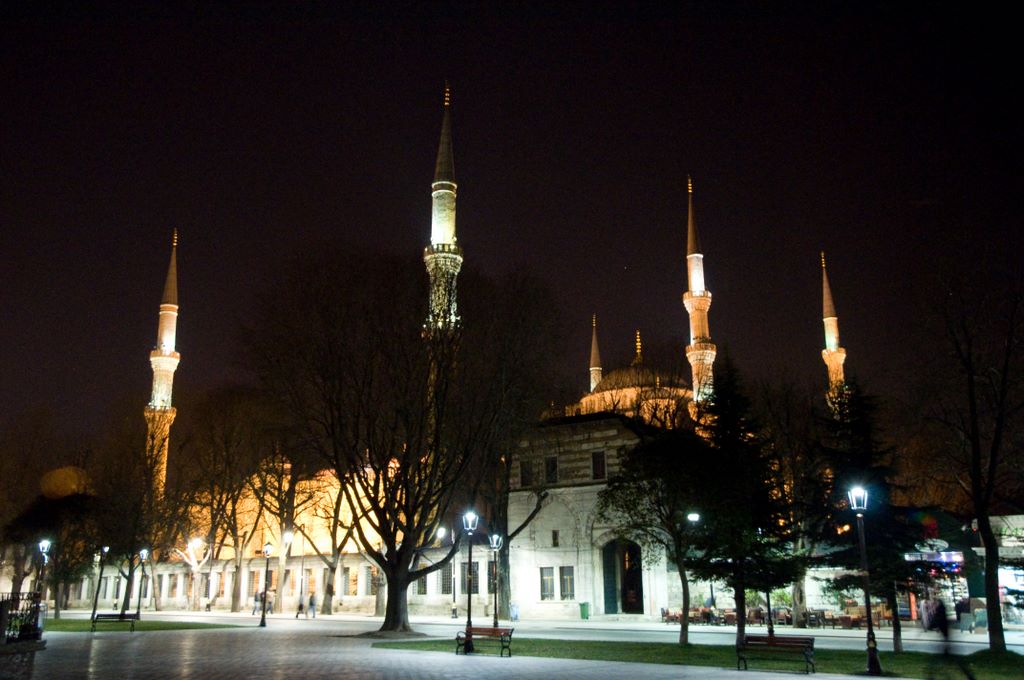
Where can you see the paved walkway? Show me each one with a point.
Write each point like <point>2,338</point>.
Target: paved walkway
<point>329,647</point>
<point>295,654</point>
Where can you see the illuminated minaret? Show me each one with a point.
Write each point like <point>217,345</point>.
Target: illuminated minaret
<point>833,354</point>
<point>443,256</point>
<point>595,358</point>
<point>697,300</point>
<point>164,360</point>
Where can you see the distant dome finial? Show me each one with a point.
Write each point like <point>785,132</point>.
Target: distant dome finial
<point>823,259</point>
<point>174,238</point>
<point>689,184</point>
<point>447,94</point>
<point>639,358</point>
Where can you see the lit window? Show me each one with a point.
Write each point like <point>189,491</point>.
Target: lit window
<point>446,579</point>
<point>476,579</point>
<point>547,583</point>
<point>567,582</point>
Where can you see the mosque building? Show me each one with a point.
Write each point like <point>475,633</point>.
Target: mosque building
<point>566,555</point>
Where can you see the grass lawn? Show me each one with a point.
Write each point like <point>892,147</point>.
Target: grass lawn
<point>984,665</point>
<point>83,626</point>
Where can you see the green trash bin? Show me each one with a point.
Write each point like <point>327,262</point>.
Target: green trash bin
<point>584,610</point>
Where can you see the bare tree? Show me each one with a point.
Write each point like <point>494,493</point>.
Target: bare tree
<point>408,418</point>
<point>982,412</point>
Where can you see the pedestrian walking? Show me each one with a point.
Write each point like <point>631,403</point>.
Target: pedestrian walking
<point>256,600</point>
<point>301,609</point>
<point>939,622</point>
<point>312,606</point>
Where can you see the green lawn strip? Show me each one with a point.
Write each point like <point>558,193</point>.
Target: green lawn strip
<point>84,625</point>
<point>986,666</point>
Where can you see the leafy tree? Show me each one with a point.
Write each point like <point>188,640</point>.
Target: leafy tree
<point>746,539</point>
<point>662,481</point>
<point>68,523</point>
<point>853,446</point>
<point>790,428</point>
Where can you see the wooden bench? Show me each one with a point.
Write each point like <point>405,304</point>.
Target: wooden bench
<point>115,618</point>
<point>754,645</point>
<point>502,635</point>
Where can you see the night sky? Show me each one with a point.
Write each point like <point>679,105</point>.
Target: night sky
<point>885,134</point>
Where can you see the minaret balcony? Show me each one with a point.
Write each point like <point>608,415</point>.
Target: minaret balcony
<point>442,248</point>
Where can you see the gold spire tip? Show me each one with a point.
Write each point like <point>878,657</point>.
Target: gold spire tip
<point>639,345</point>
<point>593,321</point>
<point>823,259</point>
<point>447,94</point>
<point>174,238</point>
<point>689,185</point>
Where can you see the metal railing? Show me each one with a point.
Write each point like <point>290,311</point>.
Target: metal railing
<point>21,616</point>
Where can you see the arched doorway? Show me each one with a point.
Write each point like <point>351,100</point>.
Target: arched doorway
<point>623,577</point>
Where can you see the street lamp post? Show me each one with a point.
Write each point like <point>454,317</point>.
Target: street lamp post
<point>495,547</point>
<point>143,554</point>
<point>193,546</point>
<point>302,574</point>
<point>859,503</point>
<point>469,522</point>
<point>44,549</point>
<point>266,583</point>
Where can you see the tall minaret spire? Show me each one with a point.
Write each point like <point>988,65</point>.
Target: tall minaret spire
<point>164,360</point>
<point>595,357</point>
<point>443,256</point>
<point>833,354</point>
<point>697,300</point>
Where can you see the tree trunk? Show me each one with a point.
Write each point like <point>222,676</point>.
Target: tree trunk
<point>328,597</point>
<point>800,602</point>
<point>126,601</point>
<point>684,616</point>
<point>396,614</point>
<point>58,597</point>
<point>741,613</point>
<point>504,583</point>
<point>380,599</point>
<point>19,573</point>
<point>236,585</point>
<point>897,628</point>
<point>996,640</point>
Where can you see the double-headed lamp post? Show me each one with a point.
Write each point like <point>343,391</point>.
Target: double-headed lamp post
<point>858,496</point>
<point>495,540</point>
<point>469,523</point>
<point>266,583</point>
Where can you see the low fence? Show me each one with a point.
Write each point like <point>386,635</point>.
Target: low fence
<point>21,617</point>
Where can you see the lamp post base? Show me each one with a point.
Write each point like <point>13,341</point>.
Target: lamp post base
<point>874,667</point>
